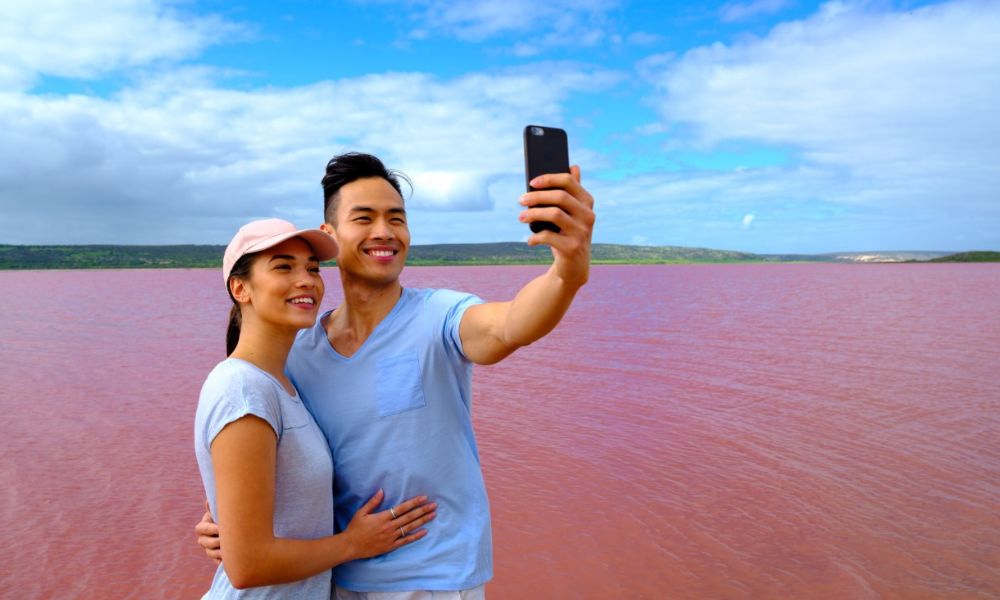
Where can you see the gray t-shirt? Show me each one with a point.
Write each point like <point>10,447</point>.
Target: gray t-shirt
<point>303,494</point>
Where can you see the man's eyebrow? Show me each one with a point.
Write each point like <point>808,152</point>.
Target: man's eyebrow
<point>368,209</point>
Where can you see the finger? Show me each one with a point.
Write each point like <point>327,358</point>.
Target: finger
<point>405,507</point>
<point>557,241</point>
<point>566,223</point>
<point>409,538</point>
<point>214,554</point>
<point>564,181</point>
<point>418,520</point>
<point>558,198</point>
<point>209,543</point>
<point>575,188</point>
<point>372,504</point>
<point>416,517</point>
<point>573,205</point>
<point>207,528</point>
<point>568,182</point>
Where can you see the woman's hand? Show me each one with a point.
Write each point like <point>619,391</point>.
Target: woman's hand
<point>373,533</point>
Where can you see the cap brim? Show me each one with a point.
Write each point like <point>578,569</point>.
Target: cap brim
<point>322,243</point>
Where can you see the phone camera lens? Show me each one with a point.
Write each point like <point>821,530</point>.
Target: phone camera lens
<point>537,131</point>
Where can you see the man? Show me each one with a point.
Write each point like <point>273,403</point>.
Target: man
<point>387,375</point>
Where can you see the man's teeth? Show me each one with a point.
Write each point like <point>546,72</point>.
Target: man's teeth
<point>381,252</point>
<point>302,301</point>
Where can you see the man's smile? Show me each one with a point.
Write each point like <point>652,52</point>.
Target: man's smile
<point>381,254</point>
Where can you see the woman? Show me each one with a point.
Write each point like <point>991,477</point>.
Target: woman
<point>265,464</point>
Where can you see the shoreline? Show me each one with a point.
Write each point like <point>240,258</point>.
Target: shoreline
<point>63,268</point>
<point>21,258</point>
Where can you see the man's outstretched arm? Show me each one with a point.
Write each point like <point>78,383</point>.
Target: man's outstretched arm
<point>491,331</point>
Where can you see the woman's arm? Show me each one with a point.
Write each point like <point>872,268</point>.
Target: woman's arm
<point>244,456</point>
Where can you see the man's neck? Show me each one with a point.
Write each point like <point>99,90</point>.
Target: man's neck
<point>364,307</point>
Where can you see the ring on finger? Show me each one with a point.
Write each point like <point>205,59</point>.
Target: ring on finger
<point>401,532</point>
<point>392,510</point>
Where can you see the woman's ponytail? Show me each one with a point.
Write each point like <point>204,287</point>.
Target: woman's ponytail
<point>241,270</point>
<point>233,333</point>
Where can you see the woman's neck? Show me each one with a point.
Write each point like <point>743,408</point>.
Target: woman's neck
<point>266,347</point>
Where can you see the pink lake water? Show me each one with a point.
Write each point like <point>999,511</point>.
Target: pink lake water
<point>691,431</point>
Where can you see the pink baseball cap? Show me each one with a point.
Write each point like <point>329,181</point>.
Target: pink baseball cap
<point>267,233</point>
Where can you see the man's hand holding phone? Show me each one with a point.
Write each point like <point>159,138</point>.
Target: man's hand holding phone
<point>558,199</point>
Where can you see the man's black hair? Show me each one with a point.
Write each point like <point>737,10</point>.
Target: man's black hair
<point>346,168</point>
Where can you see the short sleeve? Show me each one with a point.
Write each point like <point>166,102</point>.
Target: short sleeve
<point>232,394</point>
<point>452,306</point>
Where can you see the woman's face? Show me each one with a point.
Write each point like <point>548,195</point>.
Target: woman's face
<point>284,286</point>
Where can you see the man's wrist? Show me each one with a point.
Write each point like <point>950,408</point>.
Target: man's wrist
<point>571,277</point>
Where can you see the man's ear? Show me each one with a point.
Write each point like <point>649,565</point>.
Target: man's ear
<point>239,289</point>
<point>328,229</point>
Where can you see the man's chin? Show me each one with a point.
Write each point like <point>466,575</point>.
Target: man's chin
<point>375,279</point>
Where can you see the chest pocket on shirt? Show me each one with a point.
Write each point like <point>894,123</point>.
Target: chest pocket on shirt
<point>398,384</point>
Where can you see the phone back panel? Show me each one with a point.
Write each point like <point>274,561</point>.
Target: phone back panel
<point>547,153</point>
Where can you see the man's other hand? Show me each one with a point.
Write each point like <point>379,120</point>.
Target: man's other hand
<point>208,536</point>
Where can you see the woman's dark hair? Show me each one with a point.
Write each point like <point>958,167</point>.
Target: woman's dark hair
<point>346,168</point>
<point>241,270</point>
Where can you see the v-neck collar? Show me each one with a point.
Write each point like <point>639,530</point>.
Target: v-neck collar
<point>382,325</point>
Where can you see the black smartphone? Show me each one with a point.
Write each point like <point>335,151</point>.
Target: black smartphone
<point>546,150</point>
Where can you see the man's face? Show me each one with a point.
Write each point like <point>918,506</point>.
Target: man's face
<point>371,231</point>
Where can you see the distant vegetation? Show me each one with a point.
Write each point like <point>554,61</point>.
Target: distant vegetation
<point>109,257</point>
<point>502,253</point>
<point>975,256</point>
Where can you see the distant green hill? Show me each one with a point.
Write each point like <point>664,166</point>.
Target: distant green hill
<point>193,256</point>
<point>974,256</point>
<point>520,253</point>
<point>109,257</point>
<point>500,253</point>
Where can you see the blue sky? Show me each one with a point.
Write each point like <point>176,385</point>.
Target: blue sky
<point>758,125</point>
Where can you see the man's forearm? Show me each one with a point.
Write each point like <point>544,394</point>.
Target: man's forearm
<point>492,331</point>
<point>537,308</point>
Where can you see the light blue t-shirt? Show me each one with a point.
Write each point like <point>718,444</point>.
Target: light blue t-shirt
<point>303,479</point>
<point>398,416</point>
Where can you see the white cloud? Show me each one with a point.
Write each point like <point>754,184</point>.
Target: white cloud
<point>64,38</point>
<point>179,159</point>
<point>747,221</point>
<point>891,108</point>
<point>804,208</point>
<point>451,190</point>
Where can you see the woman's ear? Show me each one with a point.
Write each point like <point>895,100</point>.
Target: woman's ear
<point>240,289</point>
